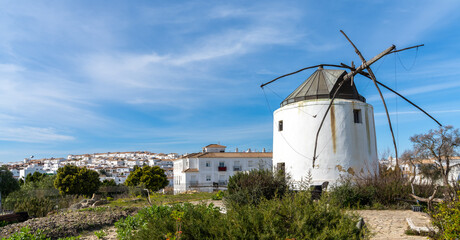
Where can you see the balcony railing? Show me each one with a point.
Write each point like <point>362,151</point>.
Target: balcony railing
<point>236,168</point>
<point>193,183</point>
<point>222,169</point>
<point>222,183</point>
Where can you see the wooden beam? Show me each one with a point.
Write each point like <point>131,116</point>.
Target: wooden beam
<point>346,77</point>
<point>374,79</point>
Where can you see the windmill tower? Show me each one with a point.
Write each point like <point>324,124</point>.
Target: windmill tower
<point>325,129</point>
<point>346,143</point>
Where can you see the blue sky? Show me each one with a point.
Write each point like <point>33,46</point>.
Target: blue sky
<point>173,76</point>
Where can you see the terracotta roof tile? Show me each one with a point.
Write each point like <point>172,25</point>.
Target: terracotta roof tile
<point>215,146</point>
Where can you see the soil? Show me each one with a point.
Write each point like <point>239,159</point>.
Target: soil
<point>71,222</point>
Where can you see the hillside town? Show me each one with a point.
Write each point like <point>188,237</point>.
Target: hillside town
<point>110,165</point>
<point>205,171</point>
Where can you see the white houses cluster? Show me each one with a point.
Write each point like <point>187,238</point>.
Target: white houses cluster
<point>111,165</point>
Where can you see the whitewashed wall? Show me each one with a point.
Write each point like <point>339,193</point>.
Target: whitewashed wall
<point>344,147</point>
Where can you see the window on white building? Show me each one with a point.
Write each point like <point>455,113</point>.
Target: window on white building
<point>250,163</point>
<point>208,163</point>
<point>280,125</point>
<point>208,178</point>
<point>221,164</point>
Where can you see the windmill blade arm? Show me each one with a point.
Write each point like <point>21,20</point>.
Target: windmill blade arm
<point>374,79</point>
<point>300,70</point>
<point>404,49</point>
<point>407,100</point>
<point>285,75</point>
<point>365,74</point>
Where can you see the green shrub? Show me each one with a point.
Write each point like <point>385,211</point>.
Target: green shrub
<point>218,196</point>
<point>157,221</point>
<point>446,217</point>
<point>26,234</point>
<point>251,187</point>
<point>37,202</point>
<point>100,234</point>
<point>290,216</point>
<point>386,188</point>
<point>4,223</point>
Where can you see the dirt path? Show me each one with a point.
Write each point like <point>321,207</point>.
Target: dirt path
<point>391,224</point>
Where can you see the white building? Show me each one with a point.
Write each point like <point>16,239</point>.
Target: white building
<point>209,171</point>
<point>52,165</point>
<point>30,169</point>
<point>346,143</point>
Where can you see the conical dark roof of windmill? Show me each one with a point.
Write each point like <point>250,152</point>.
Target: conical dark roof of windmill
<point>321,85</point>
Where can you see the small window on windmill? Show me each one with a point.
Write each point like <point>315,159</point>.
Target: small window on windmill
<point>280,125</point>
<point>357,116</point>
<point>281,167</point>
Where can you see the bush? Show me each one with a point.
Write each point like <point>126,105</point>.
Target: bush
<point>218,196</point>
<point>291,216</point>
<point>38,198</point>
<point>446,217</point>
<point>386,188</point>
<point>108,183</point>
<point>251,187</point>
<point>26,234</point>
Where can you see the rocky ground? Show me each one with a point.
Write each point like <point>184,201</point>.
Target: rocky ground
<point>71,222</point>
<point>392,224</point>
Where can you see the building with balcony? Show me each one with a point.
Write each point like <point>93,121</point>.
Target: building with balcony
<point>210,170</point>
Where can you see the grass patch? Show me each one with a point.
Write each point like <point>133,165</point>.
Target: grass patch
<point>160,199</point>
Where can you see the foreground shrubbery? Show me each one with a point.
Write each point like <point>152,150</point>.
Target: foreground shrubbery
<point>26,234</point>
<point>251,187</point>
<point>446,217</point>
<point>37,198</point>
<point>387,189</point>
<point>290,216</point>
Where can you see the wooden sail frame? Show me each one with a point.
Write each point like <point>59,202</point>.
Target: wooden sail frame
<point>369,74</point>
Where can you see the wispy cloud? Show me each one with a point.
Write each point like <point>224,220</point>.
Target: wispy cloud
<point>419,112</point>
<point>32,135</point>
<point>417,90</point>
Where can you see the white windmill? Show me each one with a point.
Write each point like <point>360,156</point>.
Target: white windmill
<point>325,128</point>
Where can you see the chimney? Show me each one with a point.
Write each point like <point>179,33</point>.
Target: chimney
<point>249,150</point>
<point>263,150</point>
<point>236,149</point>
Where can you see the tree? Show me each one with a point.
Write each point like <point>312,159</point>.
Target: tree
<point>440,145</point>
<point>75,180</point>
<point>8,183</point>
<point>109,183</point>
<point>35,177</point>
<point>153,178</point>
